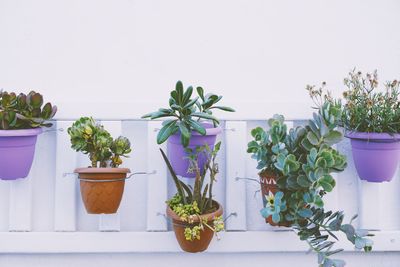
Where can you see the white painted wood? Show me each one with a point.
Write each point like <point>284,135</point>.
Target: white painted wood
<point>389,201</point>
<point>369,204</point>
<point>165,242</point>
<point>111,222</point>
<point>21,204</point>
<point>4,205</point>
<point>236,145</point>
<point>66,182</point>
<point>156,182</point>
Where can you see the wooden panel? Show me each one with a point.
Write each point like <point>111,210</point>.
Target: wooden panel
<point>111,222</point>
<point>236,146</point>
<point>156,183</point>
<point>21,204</point>
<point>65,187</point>
<point>389,203</point>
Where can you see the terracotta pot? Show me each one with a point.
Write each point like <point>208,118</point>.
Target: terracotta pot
<point>205,236</point>
<point>268,184</point>
<point>102,197</point>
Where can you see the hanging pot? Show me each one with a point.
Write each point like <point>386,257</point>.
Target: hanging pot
<point>102,188</point>
<point>205,236</point>
<point>178,156</point>
<point>17,149</point>
<point>376,155</point>
<point>268,186</point>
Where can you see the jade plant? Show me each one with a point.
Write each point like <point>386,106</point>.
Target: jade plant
<point>192,202</point>
<point>303,161</point>
<point>24,111</point>
<point>91,138</point>
<point>186,113</point>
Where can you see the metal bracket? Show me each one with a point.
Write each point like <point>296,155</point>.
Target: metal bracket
<point>229,129</point>
<point>234,214</point>
<point>247,179</point>
<point>109,180</point>
<point>53,130</point>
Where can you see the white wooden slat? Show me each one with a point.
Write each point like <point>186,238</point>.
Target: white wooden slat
<point>21,204</point>
<point>236,144</point>
<point>389,202</point>
<point>111,222</point>
<point>65,185</point>
<point>368,205</point>
<point>157,182</point>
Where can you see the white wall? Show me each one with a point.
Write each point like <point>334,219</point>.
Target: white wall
<point>258,54</point>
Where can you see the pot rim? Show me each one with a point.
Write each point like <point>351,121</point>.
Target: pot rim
<point>373,136</point>
<point>207,216</point>
<point>21,132</point>
<point>102,170</point>
<point>210,130</point>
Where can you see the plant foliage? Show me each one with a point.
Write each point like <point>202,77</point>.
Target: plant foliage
<point>303,161</point>
<point>192,202</point>
<point>186,113</point>
<point>24,111</point>
<point>91,138</point>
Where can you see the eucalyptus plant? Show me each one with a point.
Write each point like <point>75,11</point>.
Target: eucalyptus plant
<point>192,202</point>
<point>24,111</point>
<point>186,113</point>
<point>91,138</point>
<point>303,161</point>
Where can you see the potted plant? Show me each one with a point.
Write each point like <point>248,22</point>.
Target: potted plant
<point>372,122</point>
<point>296,173</point>
<point>102,183</point>
<point>195,216</point>
<point>191,124</point>
<point>21,120</point>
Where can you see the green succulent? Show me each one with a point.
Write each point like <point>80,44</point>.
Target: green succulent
<point>24,111</point>
<point>191,202</point>
<point>303,161</point>
<point>91,138</point>
<point>186,113</point>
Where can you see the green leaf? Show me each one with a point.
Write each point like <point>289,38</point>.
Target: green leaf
<point>197,127</point>
<point>200,92</point>
<point>191,103</point>
<point>179,92</point>
<point>228,109</point>
<point>205,116</point>
<point>185,134</point>
<point>313,138</point>
<point>187,95</point>
<point>305,213</point>
<point>166,131</point>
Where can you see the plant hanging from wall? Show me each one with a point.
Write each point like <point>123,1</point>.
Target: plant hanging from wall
<point>296,173</point>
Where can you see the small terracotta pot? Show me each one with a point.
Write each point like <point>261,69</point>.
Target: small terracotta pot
<point>268,184</point>
<point>205,236</point>
<point>102,197</point>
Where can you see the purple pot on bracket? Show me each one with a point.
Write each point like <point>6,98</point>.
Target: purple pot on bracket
<point>178,156</point>
<point>17,148</point>
<point>376,155</point>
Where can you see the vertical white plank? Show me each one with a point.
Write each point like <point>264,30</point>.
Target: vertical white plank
<point>111,222</point>
<point>65,185</point>
<point>21,204</point>
<point>156,183</point>
<point>368,205</point>
<point>389,202</point>
<point>236,145</point>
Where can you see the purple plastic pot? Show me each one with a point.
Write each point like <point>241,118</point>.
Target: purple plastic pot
<point>178,156</point>
<point>17,148</point>
<point>376,155</point>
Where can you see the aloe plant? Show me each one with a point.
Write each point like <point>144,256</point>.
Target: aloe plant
<point>190,202</point>
<point>24,111</point>
<point>186,113</point>
<point>303,161</point>
<point>91,138</point>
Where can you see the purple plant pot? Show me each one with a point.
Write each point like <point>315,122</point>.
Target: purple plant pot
<point>17,148</point>
<point>178,156</point>
<point>376,155</point>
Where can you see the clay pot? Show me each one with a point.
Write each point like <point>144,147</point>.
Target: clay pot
<point>268,184</point>
<point>205,236</point>
<point>102,197</point>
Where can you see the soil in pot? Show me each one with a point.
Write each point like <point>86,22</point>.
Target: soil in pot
<point>205,236</point>
<point>178,156</point>
<point>376,155</point>
<point>268,185</point>
<point>102,188</point>
<point>17,149</point>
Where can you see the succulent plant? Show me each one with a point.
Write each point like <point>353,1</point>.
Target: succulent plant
<point>24,111</point>
<point>91,138</point>
<point>190,202</point>
<point>303,161</point>
<point>187,113</point>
